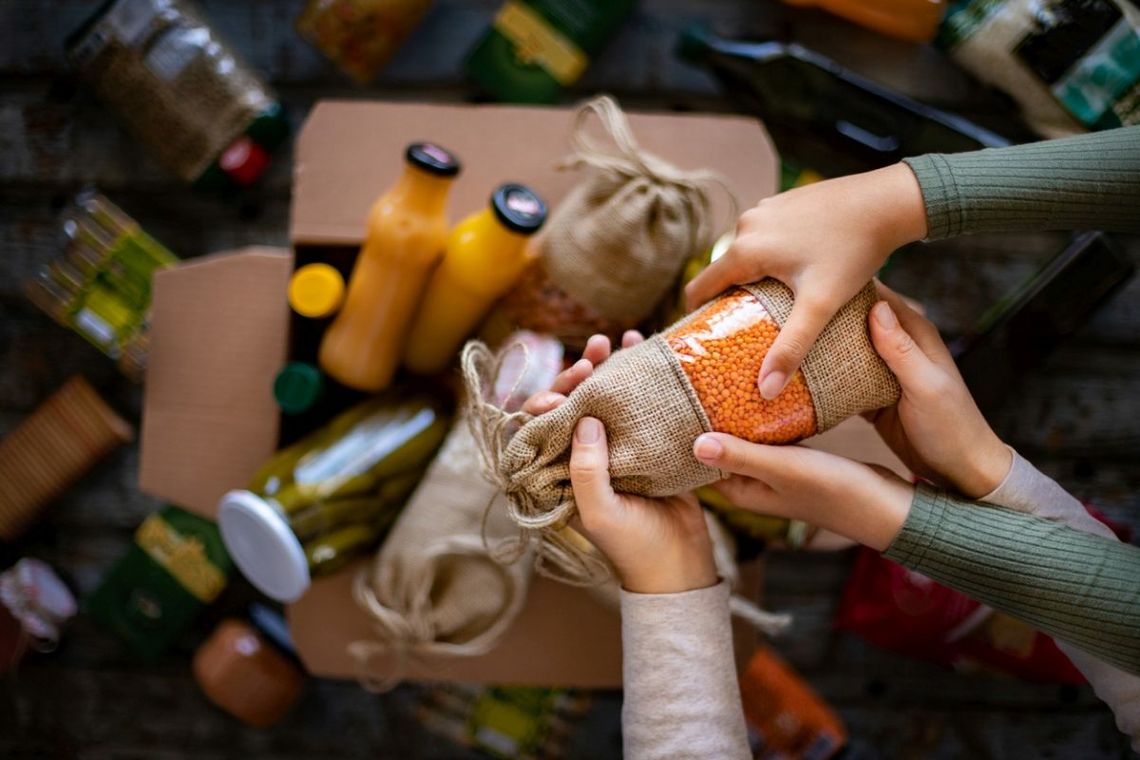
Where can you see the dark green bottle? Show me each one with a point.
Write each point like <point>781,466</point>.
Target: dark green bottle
<point>797,89</point>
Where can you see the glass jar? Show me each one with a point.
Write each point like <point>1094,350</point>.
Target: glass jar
<point>34,605</point>
<point>332,495</point>
<point>241,672</point>
<point>101,286</point>
<point>199,109</point>
<point>360,36</point>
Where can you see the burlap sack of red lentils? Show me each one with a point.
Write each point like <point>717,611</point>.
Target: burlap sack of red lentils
<point>652,415</point>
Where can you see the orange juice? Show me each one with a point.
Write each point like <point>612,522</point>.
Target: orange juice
<point>485,255</point>
<point>407,232</point>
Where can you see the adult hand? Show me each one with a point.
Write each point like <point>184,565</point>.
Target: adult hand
<point>657,546</point>
<point>824,241</point>
<point>936,428</point>
<point>864,503</point>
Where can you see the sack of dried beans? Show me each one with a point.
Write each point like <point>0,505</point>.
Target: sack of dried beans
<point>654,399</point>
<point>615,246</point>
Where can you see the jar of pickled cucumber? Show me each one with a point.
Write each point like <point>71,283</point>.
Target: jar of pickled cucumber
<point>331,496</point>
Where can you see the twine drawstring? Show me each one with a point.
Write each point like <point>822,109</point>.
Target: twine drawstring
<point>630,160</point>
<point>491,426</point>
<point>402,622</point>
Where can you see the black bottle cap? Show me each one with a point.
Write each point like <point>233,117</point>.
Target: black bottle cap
<point>432,159</point>
<point>518,208</point>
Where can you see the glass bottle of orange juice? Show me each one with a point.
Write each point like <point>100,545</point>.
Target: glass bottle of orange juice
<point>486,253</point>
<point>407,233</point>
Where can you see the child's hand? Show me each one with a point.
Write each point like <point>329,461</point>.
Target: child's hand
<point>824,241</point>
<point>935,428</point>
<point>657,546</point>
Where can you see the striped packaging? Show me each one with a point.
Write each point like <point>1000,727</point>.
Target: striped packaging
<point>61,440</point>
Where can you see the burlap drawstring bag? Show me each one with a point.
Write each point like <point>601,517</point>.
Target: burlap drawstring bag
<point>616,244</point>
<point>652,413</point>
<point>439,585</point>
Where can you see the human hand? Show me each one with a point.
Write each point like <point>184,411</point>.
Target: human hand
<point>935,428</point>
<point>657,546</point>
<point>865,503</point>
<point>824,241</point>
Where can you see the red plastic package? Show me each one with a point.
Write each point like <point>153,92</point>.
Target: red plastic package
<point>906,612</point>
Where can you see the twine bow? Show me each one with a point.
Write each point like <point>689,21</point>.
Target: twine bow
<point>400,605</point>
<point>559,556</point>
<point>630,160</point>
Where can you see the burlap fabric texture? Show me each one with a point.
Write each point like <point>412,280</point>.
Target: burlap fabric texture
<point>619,240</point>
<point>652,415</point>
<point>452,575</point>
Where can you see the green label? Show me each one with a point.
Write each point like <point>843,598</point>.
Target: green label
<point>1104,77</point>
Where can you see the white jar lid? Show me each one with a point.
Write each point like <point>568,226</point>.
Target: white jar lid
<point>263,546</point>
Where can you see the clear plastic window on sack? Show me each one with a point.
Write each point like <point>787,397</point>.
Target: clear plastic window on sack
<point>721,348</point>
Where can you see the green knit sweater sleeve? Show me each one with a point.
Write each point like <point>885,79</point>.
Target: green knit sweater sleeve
<point>1080,588</point>
<point>1076,183</point>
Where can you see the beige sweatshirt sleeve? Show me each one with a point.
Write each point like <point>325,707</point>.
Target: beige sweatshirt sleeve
<point>682,697</point>
<point>1026,489</point>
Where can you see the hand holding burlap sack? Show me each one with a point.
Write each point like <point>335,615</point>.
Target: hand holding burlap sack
<point>654,399</point>
<point>615,246</point>
<point>437,586</point>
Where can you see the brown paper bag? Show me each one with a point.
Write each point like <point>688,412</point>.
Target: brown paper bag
<point>652,414</point>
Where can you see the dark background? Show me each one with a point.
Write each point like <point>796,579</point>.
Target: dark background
<point>1077,418</point>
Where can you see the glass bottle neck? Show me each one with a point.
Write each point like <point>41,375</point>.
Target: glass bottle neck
<point>498,237</point>
<point>421,190</point>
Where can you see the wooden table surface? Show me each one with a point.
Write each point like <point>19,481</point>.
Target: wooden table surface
<point>1077,418</point>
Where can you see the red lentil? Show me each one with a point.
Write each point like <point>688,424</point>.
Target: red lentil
<point>721,349</point>
<point>536,303</point>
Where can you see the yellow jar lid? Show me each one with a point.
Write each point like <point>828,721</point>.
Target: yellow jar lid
<point>316,290</point>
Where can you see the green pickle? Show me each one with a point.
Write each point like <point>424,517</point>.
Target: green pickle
<point>330,497</point>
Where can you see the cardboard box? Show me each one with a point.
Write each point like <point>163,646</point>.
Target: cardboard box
<point>219,336</point>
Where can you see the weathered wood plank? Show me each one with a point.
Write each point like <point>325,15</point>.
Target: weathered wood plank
<point>640,57</point>
<point>1076,418</point>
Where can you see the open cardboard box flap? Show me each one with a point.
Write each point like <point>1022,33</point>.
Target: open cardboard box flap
<point>349,152</point>
<point>219,335</point>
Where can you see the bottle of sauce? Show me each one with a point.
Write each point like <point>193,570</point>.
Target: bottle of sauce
<point>485,255</point>
<point>242,672</point>
<point>407,232</point>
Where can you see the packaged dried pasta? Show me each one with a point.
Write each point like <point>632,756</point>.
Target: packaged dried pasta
<point>654,399</point>
<point>200,110</point>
